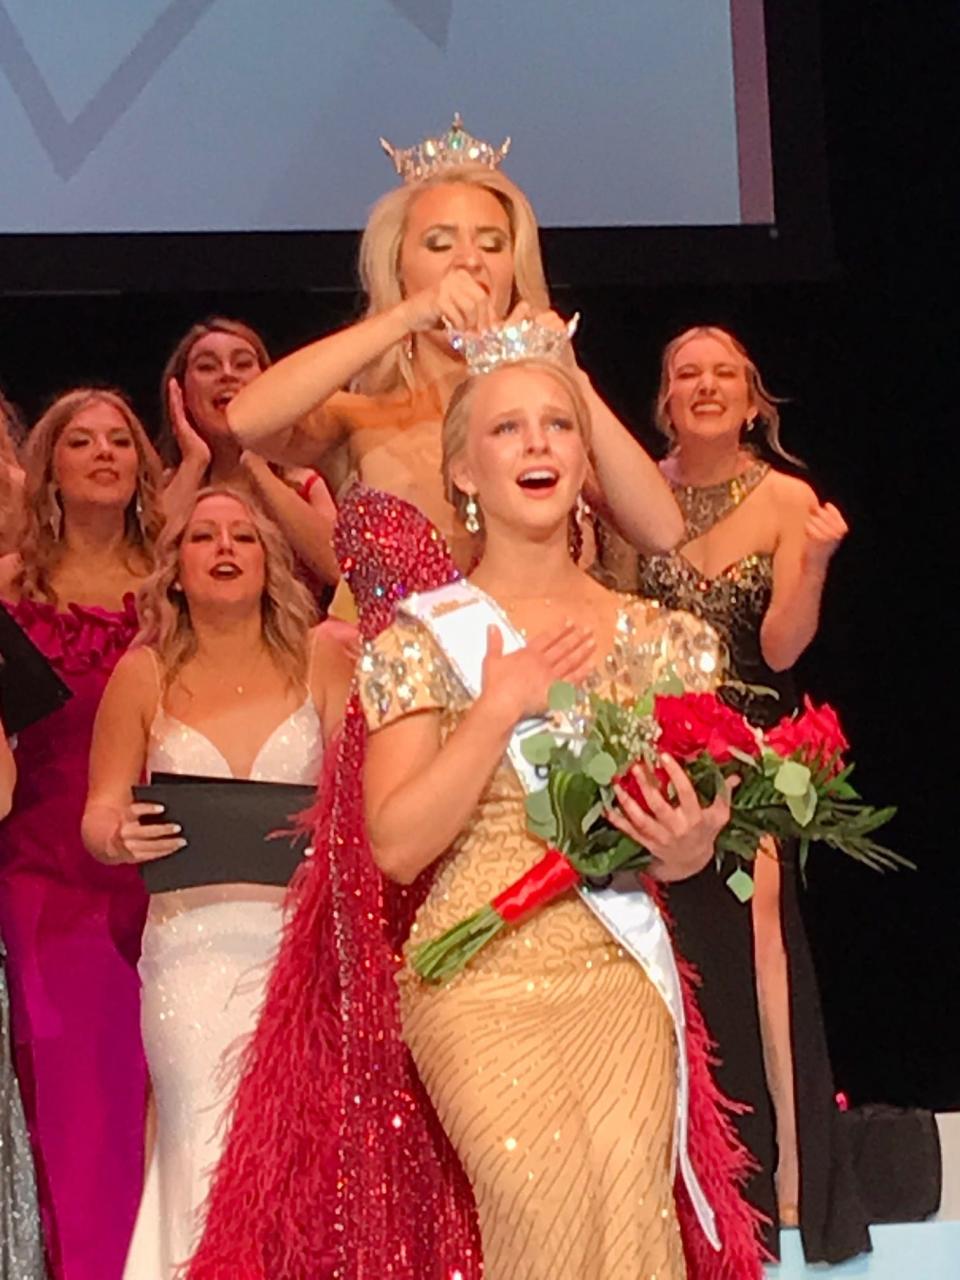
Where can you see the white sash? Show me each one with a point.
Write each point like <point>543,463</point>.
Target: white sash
<point>457,616</point>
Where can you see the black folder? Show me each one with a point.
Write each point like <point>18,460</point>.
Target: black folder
<point>29,687</point>
<point>237,832</point>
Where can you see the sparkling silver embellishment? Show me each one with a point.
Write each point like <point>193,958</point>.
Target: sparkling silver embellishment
<point>451,150</point>
<point>525,340</point>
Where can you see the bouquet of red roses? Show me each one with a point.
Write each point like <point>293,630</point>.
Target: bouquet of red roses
<point>795,784</point>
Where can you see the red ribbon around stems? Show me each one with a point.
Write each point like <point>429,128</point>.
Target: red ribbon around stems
<point>546,880</point>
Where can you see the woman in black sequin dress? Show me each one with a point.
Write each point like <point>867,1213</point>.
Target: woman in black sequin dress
<point>753,561</point>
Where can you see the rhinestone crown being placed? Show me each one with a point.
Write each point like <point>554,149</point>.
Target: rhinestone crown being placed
<point>524,340</point>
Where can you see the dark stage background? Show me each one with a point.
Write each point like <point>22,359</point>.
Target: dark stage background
<point>868,360</point>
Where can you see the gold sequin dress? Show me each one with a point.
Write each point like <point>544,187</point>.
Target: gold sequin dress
<point>550,1060</point>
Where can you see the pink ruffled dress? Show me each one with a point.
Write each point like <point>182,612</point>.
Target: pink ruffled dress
<point>72,930</point>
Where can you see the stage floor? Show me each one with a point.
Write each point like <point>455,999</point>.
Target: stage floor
<point>907,1251</point>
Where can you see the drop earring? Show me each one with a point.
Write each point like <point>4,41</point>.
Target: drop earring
<point>580,513</point>
<point>471,515</point>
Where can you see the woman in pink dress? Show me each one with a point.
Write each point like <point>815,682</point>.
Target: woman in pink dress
<point>72,927</point>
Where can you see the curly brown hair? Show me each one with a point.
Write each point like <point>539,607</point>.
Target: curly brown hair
<point>41,548</point>
<point>288,609</point>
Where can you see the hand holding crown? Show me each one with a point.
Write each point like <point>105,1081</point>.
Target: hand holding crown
<point>522,336</point>
<point>456,301</point>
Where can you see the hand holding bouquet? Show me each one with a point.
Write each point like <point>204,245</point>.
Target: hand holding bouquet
<point>794,784</point>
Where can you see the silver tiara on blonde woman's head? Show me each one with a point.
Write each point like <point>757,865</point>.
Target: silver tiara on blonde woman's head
<point>451,150</point>
<point>523,340</point>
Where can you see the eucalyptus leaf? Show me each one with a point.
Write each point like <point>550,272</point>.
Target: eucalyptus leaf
<point>792,779</point>
<point>572,795</point>
<point>539,748</point>
<point>770,763</point>
<point>602,768</point>
<point>540,813</point>
<point>562,696</point>
<point>740,884</point>
<point>802,808</point>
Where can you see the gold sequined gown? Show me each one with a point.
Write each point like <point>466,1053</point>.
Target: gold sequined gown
<point>550,1060</point>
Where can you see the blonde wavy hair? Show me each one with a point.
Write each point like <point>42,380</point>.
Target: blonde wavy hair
<point>287,608</point>
<point>379,263</point>
<point>42,546</point>
<point>768,414</point>
<point>176,367</point>
<point>11,498</point>
<point>456,422</point>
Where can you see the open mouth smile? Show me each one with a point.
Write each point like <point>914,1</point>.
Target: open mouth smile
<point>536,480</point>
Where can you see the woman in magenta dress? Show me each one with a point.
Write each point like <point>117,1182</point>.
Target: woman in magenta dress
<point>72,927</point>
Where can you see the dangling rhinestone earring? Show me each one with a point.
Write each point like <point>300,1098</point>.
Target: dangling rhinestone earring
<point>138,512</point>
<point>56,515</point>
<point>577,516</point>
<point>471,515</point>
<point>408,347</point>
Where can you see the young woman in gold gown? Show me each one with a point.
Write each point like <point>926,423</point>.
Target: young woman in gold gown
<point>551,1060</point>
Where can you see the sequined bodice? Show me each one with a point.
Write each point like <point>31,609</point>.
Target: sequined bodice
<point>734,603</point>
<point>404,671</point>
<point>387,549</point>
<point>291,753</point>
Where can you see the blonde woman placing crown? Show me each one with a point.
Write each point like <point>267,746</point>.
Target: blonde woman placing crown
<point>456,244</point>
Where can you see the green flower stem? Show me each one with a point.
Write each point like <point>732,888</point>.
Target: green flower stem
<point>442,958</point>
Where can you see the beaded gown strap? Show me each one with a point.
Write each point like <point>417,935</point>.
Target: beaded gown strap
<point>704,506</point>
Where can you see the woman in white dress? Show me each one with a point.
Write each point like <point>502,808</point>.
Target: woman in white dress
<point>229,680</point>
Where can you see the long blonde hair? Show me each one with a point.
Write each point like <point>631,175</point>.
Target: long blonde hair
<point>11,498</point>
<point>456,422</point>
<point>768,414</point>
<point>379,263</point>
<point>287,608</point>
<point>42,547</point>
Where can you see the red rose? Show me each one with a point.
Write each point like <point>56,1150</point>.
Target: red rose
<point>697,723</point>
<point>815,735</point>
<point>632,787</point>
